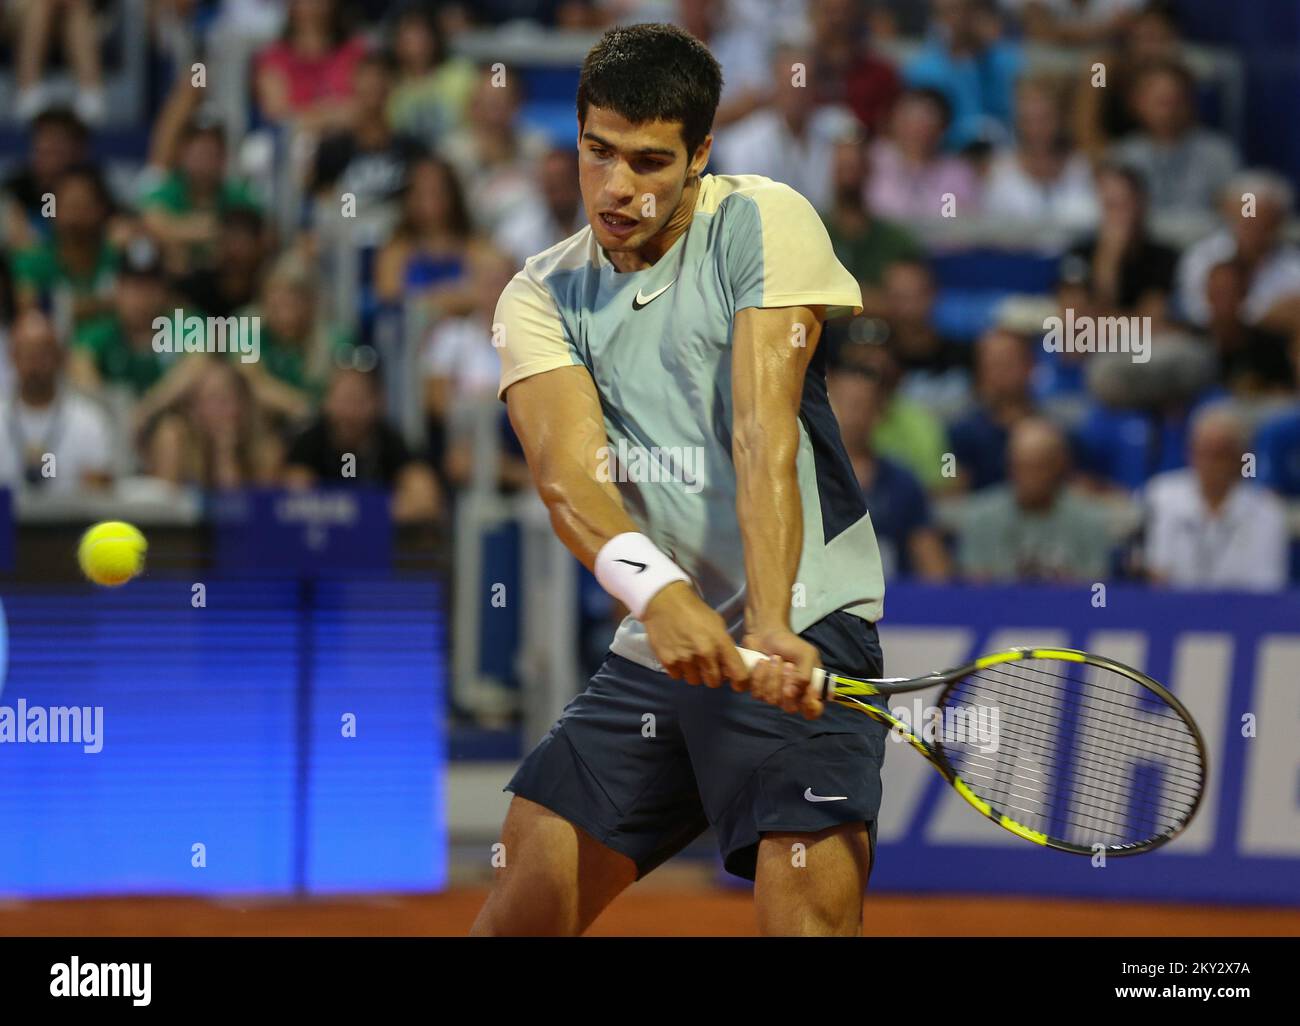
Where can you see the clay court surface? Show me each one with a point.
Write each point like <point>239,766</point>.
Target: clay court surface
<point>644,912</point>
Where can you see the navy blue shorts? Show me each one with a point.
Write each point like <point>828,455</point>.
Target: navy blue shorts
<point>647,787</point>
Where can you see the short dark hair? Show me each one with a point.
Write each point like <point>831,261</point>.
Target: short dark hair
<point>64,119</point>
<point>653,73</point>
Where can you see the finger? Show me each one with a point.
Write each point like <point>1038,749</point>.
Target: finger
<point>691,671</point>
<point>709,672</point>
<point>734,668</point>
<point>769,674</point>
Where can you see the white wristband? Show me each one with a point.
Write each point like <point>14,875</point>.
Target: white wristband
<point>632,568</point>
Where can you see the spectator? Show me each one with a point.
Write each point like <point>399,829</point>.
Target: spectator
<point>77,266</point>
<point>906,431</point>
<point>495,160</point>
<point>792,140</point>
<point>1074,22</point>
<point>52,440</point>
<point>350,444</point>
<point>847,72</point>
<point>1205,526</point>
<point>297,345</point>
<point>213,436</point>
<point>1185,166</point>
<point>426,254</point>
<point>1125,271</point>
<point>185,209</point>
<point>1034,528</point>
<point>118,349</point>
<point>910,545</point>
<point>367,159</point>
<point>1004,365</point>
<point>865,244</point>
<point>433,88</point>
<point>972,66</point>
<point>304,80</point>
<point>1041,180</point>
<point>936,370</point>
<point>1255,207</point>
<point>1277,442</point>
<point>37,22</point>
<point>235,276</point>
<point>741,50</point>
<point>58,142</point>
<point>910,178</point>
<point>1101,110</point>
<point>559,214</point>
<point>1251,360</point>
<point>462,369</point>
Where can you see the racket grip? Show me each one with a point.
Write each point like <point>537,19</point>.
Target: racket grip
<point>821,683</point>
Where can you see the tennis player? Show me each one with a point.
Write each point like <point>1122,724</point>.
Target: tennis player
<point>661,369</point>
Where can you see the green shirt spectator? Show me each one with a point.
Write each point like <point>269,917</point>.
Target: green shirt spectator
<point>42,269</point>
<point>914,437</point>
<point>1002,541</point>
<point>867,254</point>
<point>173,195</point>
<point>116,360</point>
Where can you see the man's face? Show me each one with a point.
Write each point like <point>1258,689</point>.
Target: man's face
<point>1258,235</point>
<point>632,176</point>
<point>54,150</point>
<point>351,405</point>
<point>1161,104</point>
<point>909,294</point>
<point>1036,465</point>
<point>139,299</point>
<point>856,400</point>
<point>203,159</point>
<point>36,354</point>
<point>80,211</point>
<point>371,86</point>
<point>1216,456</point>
<point>1003,367</point>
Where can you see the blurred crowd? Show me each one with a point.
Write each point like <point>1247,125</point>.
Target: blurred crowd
<point>982,453</point>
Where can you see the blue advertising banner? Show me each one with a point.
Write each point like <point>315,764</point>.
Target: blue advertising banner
<point>279,737</point>
<point>317,533</point>
<point>1233,660</point>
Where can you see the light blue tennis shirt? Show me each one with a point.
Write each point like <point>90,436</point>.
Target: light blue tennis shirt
<point>657,343</point>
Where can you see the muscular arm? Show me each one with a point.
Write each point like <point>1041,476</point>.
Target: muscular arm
<point>767,371</point>
<point>771,350</point>
<point>558,419</point>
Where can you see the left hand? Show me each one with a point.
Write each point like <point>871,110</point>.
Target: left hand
<point>784,680</point>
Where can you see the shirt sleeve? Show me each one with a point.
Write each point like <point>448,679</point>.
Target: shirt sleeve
<point>527,332</point>
<point>779,254</point>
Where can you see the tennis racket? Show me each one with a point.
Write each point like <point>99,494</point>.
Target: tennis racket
<point>1085,754</point>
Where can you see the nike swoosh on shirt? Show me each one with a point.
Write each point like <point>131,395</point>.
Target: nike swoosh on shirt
<point>639,300</point>
<point>809,796</point>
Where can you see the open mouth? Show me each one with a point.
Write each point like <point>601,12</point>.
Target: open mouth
<point>618,223</point>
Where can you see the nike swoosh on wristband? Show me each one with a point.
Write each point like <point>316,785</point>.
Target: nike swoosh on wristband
<point>809,796</point>
<point>639,300</point>
<point>640,567</point>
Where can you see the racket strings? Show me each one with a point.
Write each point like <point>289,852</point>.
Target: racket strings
<point>1079,757</point>
<point>1046,739</point>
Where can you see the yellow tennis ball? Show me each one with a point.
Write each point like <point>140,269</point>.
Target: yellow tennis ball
<point>111,553</point>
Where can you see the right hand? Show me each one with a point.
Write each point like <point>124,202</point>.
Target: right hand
<point>690,638</point>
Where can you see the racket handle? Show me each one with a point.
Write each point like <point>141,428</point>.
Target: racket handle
<point>821,683</point>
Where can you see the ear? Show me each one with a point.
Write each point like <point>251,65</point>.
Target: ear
<point>701,158</point>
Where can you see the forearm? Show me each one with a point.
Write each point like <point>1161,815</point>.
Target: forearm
<point>585,514</point>
<point>770,514</point>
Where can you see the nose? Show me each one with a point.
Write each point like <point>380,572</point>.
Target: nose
<point>620,186</point>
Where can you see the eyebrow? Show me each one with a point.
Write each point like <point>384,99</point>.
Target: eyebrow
<point>645,151</point>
